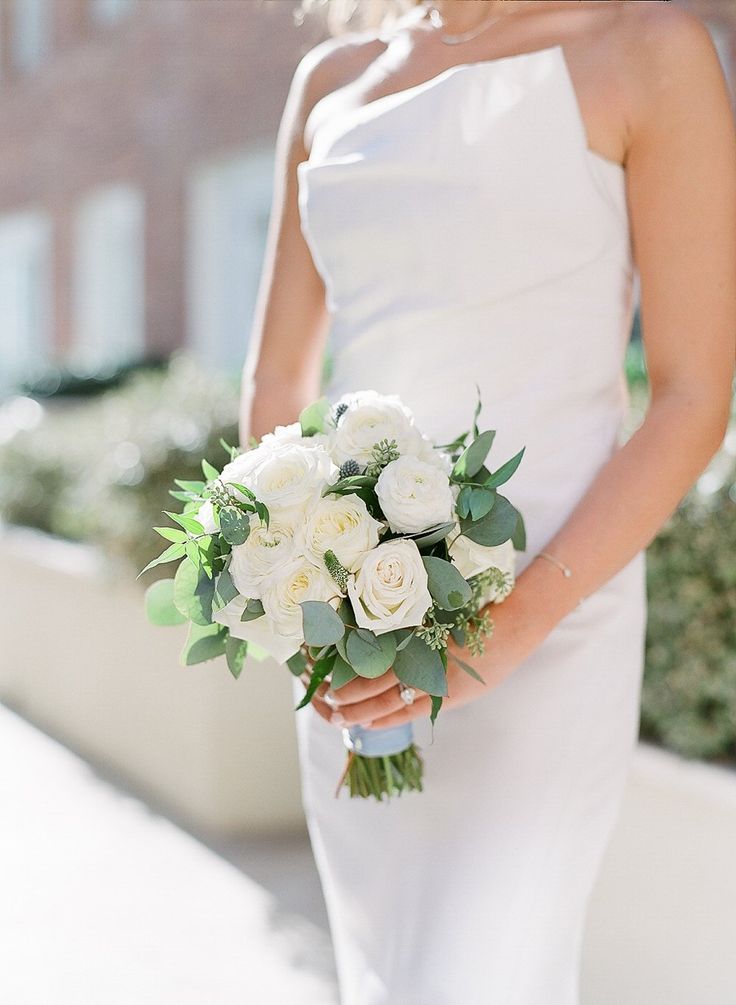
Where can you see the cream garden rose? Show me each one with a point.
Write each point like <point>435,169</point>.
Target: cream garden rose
<point>300,580</point>
<point>414,495</point>
<point>370,418</point>
<point>472,559</point>
<point>291,477</point>
<point>341,524</point>
<point>264,555</point>
<point>390,589</point>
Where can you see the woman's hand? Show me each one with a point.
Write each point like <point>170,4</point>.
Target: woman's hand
<point>378,702</point>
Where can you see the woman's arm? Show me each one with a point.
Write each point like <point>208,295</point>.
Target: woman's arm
<point>283,366</point>
<point>681,176</point>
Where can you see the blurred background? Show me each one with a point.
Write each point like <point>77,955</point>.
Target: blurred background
<point>153,846</point>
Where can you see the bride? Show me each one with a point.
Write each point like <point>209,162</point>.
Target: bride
<point>467,192</point>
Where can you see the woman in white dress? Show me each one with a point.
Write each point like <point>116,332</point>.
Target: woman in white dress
<point>464,196</point>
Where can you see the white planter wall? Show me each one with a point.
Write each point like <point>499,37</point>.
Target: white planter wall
<point>79,658</point>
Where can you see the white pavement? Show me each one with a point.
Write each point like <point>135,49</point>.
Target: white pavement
<point>104,902</point>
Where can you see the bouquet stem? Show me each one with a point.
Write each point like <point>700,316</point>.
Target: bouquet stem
<point>388,763</point>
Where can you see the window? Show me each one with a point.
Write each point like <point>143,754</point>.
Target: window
<point>109,11</point>
<point>109,278</point>
<point>31,32</point>
<point>229,205</point>
<point>25,294</point>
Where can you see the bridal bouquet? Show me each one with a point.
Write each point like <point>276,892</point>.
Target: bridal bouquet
<point>345,545</point>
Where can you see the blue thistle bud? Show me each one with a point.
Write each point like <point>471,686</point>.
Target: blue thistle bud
<point>348,468</point>
<point>340,410</point>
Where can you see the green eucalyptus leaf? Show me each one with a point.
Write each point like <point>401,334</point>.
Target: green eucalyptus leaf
<point>494,528</point>
<point>172,553</point>
<point>368,654</point>
<point>235,652</point>
<point>505,471</point>
<point>471,459</point>
<point>323,626</point>
<point>436,706</point>
<point>210,473</point>
<point>433,535</point>
<point>447,586</point>
<point>225,590</point>
<point>319,672</point>
<point>518,538</point>
<point>297,663</point>
<point>193,594</point>
<point>160,606</point>
<point>253,609</point>
<point>189,524</point>
<point>467,668</point>
<point>342,673</point>
<point>481,502</point>
<point>204,642</point>
<point>313,418</point>
<point>234,525</point>
<point>195,488</point>
<point>171,534</point>
<point>419,666</point>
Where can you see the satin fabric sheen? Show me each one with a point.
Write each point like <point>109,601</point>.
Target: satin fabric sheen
<point>467,234</point>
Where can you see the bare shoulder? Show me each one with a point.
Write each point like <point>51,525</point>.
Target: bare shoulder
<point>332,64</point>
<point>667,51</point>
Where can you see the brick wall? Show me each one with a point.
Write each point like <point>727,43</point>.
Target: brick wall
<point>145,99</point>
<point>140,100</point>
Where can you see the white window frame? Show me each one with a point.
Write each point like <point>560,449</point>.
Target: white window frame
<point>26,294</point>
<point>109,277</point>
<point>229,201</point>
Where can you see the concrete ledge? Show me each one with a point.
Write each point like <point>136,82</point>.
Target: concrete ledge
<point>663,917</point>
<point>80,660</point>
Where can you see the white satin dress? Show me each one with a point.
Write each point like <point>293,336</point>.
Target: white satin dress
<point>467,234</point>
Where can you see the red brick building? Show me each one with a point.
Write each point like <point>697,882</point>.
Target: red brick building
<point>136,173</point>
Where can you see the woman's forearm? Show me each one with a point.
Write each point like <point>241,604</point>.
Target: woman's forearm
<point>270,400</point>
<point>628,502</point>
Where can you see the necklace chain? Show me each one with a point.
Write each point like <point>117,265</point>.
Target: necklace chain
<point>437,21</point>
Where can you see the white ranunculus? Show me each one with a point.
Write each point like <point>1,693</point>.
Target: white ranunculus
<point>291,477</point>
<point>299,581</point>
<point>414,495</point>
<point>390,589</point>
<point>472,559</point>
<point>265,554</point>
<point>370,418</point>
<point>261,631</point>
<point>341,524</point>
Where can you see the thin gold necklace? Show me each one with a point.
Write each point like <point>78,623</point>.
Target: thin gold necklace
<point>437,21</point>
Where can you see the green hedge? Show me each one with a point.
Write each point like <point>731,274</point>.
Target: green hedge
<point>100,472</point>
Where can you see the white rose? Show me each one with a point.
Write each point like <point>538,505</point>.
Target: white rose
<point>266,552</point>
<point>299,581</point>
<point>292,434</point>
<point>433,455</point>
<point>370,418</point>
<point>341,524</point>
<point>261,631</point>
<point>205,515</point>
<point>472,559</point>
<point>414,495</point>
<point>241,469</point>
<point>291,477</point>
<point>390,589</point>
